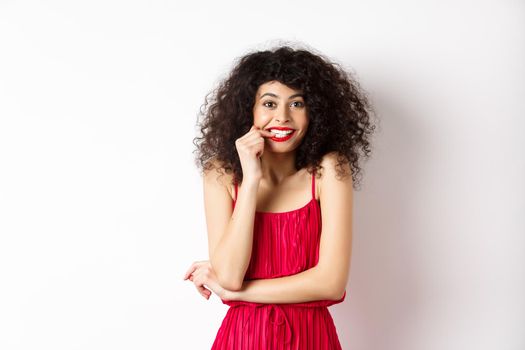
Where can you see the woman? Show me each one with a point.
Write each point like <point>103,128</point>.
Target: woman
<point>285,128</point>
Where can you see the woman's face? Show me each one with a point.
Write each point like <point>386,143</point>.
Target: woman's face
<point>278,106</point>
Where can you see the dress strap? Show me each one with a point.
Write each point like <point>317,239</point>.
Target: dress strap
<point>313,184</point>
<point>235,199</point>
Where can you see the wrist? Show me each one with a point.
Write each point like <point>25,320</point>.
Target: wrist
<point>251,182</point>
<point>229,295</point>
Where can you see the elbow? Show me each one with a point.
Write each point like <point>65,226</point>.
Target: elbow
<point>335,293</point>
<point>227,278</point>
<point>338,293</point>
<point>335,289</point>
<point>229,282</point>
<point>231,285</point>
<point>334,286</point>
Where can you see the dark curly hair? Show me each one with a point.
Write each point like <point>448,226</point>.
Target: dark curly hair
<point>338,110</point>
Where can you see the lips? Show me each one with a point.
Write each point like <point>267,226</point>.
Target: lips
<point>284,138</point>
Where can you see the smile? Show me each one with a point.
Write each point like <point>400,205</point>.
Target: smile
<point>281,136</point>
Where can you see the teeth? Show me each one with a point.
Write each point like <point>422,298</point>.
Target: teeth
<point>279,132</point>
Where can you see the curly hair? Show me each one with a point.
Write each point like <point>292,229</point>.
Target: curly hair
<point>338,110</point>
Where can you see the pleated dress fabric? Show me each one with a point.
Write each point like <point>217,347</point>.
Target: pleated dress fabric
<point>284,243</point>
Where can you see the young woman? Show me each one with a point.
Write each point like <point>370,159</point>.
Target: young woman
<point>280,151</point>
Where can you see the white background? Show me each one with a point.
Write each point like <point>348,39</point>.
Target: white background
<point>101,207</point>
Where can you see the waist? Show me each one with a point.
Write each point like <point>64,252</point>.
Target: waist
<point>307,304</point>
<point>311,304</point>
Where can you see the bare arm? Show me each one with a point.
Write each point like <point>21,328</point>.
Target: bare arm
<point>328,279</point>
<point>230,232</point>
<point>308,285</point>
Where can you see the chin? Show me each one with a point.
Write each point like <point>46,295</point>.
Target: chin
<point>279,149</point>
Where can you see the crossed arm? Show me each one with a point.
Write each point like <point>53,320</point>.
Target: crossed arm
<point>327,280</point>
<point>308,285</point>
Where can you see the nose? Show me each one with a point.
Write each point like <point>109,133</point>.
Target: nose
<point>282,115</point>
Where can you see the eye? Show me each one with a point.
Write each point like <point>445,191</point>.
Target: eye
<point>301,104</point>
<point>265,103</point>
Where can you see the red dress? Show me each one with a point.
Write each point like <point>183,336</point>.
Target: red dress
<point>284,243</point>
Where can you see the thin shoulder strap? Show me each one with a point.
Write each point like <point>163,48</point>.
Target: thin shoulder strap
<point>313,184</point>
<point>236,190</point>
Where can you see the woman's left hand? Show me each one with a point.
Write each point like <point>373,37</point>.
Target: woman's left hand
<point>201,273</point>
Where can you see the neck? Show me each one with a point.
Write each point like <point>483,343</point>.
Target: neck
<point>276,167</point>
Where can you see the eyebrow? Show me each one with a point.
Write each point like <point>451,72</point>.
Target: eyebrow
<point>274,95</point>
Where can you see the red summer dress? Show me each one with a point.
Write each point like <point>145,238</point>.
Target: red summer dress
<point>284,243</point>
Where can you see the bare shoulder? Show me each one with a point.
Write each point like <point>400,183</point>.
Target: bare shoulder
<point>329,159</point>
<point>217,176</point>
<point>330,171</point>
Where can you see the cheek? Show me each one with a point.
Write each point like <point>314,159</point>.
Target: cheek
<point>306,125</point>
<point>261,119</point>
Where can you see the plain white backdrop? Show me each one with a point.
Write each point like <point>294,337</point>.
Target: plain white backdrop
<point>101,206</point>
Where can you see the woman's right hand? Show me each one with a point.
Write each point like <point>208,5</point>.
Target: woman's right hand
<point>250,148</point>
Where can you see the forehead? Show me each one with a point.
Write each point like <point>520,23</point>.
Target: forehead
<point>277,88</point>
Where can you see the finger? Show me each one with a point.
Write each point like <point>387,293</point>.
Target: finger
<point>191,269</point>
<point>199,289</point>
<point>266,133</point>
<point>202,290</point>
<point>262,131</point>
<point>257,130</point>
<point>254,136</point>
<point>201,281</point>
<point>255,142</point>
<point>250,132</point>
<point>206,292</point>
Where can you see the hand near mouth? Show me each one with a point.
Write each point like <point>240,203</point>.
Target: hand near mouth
<point>250,148</point>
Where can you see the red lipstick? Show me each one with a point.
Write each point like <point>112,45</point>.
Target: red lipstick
<point>282,138</point>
